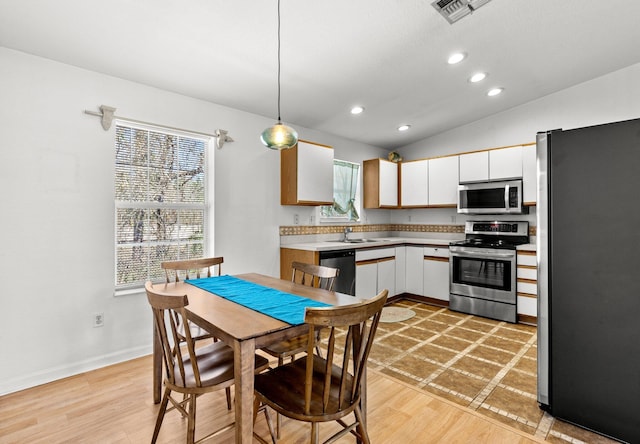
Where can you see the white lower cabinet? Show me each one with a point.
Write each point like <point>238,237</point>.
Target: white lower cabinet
<point>401,266</point>
<point>436,273</point>
<point>414,270</point>
<point>375,271</point>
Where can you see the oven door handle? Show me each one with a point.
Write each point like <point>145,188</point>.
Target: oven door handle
<point>483,254</point>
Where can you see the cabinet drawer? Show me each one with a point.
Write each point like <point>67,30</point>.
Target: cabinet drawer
<point>366,255</point>
<point>527,287</point>
<point>527,258</point>
<point>527,273</point>
<point>436,252</point>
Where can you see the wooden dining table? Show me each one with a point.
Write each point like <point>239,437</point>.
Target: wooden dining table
<point>243,329</point>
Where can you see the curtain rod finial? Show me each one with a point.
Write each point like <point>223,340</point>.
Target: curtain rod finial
<point>221,138</point>
<point>107,116</point>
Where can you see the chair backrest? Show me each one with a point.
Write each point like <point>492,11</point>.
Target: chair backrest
<point>192,268</point>
<point>346,362</point>
<point>314,275</point>
<point>168,311</point>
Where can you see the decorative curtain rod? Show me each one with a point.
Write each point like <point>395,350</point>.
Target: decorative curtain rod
<point>107,116</point>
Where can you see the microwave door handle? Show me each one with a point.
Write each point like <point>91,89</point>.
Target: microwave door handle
<point>506,197</point>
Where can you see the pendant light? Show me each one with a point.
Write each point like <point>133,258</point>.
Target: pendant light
<point>279,136</point>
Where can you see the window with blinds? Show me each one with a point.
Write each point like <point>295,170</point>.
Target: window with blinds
<point>160,201</point>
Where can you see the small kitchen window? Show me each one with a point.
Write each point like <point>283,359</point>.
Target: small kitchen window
<point>346,195</point>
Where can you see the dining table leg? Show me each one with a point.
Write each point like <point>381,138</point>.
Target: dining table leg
<point>244,368</point>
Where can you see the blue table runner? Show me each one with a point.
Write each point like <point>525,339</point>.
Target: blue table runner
<point>280,305</point>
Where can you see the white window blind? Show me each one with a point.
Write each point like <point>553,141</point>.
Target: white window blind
<point>160,182</point>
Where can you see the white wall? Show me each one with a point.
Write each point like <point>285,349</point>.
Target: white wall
<point>610,98</point>
<point>57,175</point>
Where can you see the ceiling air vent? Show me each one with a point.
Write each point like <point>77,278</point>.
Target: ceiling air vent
<point>454,10</point>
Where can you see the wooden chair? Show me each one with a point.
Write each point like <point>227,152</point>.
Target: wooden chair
<point>198,371</point>
<point>194,269</point>
<point>315,389</point>
<point>314,276</point>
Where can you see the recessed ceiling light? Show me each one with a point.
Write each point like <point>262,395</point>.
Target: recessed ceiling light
<point>404,127</point>
<point>477,77</point>
<point>357,109</point>
<point>494,92</point>
<point>456,58</point>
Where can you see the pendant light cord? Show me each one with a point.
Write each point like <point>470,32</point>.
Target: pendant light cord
<point>279,120</point>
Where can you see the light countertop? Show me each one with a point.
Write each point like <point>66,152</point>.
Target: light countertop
<point>380,242</point>
<point>377,242</point>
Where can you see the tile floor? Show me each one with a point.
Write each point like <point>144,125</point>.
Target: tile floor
<point>486,365</point>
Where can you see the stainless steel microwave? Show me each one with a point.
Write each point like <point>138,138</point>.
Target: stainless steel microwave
<point>503,197</point>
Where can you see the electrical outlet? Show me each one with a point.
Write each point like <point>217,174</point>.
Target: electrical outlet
<point>409,218</point>
<point>98,320</point>
<point>296,219</point>
<point>312,220</point>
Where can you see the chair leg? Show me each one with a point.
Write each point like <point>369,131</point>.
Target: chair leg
<point>256,408</point>
<point>278,415</point>
<point>272,432</point>
<point>362,430</point>
<point>191,424</point>
<point>161,412</point>
<point>315,433</point>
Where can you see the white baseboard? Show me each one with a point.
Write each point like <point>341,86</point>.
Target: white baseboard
<point>53,374</point>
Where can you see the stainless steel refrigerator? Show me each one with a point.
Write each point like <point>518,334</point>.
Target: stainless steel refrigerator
<point>588,239</point>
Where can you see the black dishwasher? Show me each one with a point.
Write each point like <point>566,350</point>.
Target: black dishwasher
<point>345,261</point>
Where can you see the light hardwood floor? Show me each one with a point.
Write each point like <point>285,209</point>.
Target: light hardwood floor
<point>114,405</point>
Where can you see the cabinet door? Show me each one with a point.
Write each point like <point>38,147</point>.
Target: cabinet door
<point>367,279</point>
<point>443,181</point>
<point>315,173</point>
<point>529,175</point>
<point>306,175</point>
<point>388,183</point>
<point>380,179</point>
<point>414,270</point>
<point>474,167</point>
<point>414,184</point>
<point>436,278</point>
<point>505,163</point>
<point>386,276</point>
<point>401,266</point>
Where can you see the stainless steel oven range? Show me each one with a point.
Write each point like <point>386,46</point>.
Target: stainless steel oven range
<point>482,269</point>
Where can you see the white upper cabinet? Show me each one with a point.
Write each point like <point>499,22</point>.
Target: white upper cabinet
<point>505,163</point>
<point>497,164</point>
<point>529,175</point>
<point>474,167</point>
<point>414,183</point>
<point>306,174</point>
<point>380,183</point>
<point>443,181</point>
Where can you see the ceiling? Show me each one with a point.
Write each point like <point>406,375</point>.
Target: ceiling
<point>389,56</point>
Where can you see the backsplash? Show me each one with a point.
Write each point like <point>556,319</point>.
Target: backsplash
<point>297,230</point>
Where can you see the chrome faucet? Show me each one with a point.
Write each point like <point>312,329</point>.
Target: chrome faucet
<point>347,230</point>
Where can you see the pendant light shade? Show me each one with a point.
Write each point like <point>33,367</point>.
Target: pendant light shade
<point>279,136</point>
